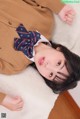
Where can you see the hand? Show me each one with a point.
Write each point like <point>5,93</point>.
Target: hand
<point>67,14</point>
<point>13,103</point>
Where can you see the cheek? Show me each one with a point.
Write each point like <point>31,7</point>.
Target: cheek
<point>42,71</point>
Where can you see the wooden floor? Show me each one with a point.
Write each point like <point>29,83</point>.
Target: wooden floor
<point>65,108</point>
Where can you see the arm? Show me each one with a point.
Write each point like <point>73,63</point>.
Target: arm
<point>10,68</point>
<point>65,12</point>
<point>54,5</point>
<point>7,68</point>
<point>2,96</point>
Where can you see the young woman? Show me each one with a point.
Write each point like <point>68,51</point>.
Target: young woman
<point>50,62</point>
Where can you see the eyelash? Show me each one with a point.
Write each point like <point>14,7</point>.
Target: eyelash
<point>58,63</point>
<point>51,74</point>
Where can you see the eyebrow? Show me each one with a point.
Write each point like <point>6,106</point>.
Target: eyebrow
<point>62,74</point>
<point>58,79</point>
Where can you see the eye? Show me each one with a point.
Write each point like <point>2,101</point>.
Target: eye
<point>59,63</point>
<point>51,74</point>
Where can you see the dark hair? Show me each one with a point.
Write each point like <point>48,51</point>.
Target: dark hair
<point>73,67</point>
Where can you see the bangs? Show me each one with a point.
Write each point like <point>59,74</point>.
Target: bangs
<point>60,80</point>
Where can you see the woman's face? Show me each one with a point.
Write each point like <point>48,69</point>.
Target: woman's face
<point>51,64</point>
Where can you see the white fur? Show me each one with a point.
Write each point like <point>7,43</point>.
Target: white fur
<point>38,97</point>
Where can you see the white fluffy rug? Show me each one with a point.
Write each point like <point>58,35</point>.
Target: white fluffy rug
<point>38,98</point>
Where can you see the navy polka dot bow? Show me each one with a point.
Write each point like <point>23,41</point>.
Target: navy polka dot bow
<point>26,41</point>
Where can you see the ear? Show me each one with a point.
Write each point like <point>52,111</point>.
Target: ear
<point>58,48</point>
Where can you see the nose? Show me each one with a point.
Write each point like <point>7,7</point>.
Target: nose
<point>54,67</point>
<point>49,66</point>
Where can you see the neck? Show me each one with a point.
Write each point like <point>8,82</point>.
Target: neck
<point>40,46</point>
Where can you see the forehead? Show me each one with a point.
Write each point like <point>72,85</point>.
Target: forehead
<point>52,54</point>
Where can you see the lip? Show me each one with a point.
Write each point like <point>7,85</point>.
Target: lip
<point>41,60</point>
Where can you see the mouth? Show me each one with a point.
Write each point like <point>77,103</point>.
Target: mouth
<point>41,60</point>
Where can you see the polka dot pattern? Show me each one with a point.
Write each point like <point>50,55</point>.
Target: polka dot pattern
<point>26,40</point>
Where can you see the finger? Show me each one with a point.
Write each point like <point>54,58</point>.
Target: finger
<point>72,12</point>
<point>70,16</point>
<point>69,19</point>
<point>19,109</point>
<point>18,99</point>
<point>20,104</point>
<point>69,22</point>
